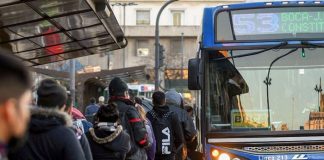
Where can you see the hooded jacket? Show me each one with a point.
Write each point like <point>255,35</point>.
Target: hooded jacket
<point>188,126</point>
<point>173,100</point>
<point>110,143</point>
<point>50,138</point>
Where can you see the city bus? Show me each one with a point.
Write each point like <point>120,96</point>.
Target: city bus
<point>258,72</point>
<point>142,90</point>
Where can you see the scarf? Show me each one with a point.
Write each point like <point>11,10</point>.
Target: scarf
<point>122,99</point>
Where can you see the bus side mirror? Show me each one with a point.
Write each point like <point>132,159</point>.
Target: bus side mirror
<point>194,75</point>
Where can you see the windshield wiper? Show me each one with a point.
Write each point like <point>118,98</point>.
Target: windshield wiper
<point>267,81</point>
<point>255,53</point>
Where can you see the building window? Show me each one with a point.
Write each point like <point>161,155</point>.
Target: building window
<point>142,49</point>
<point>177,18</point>
<point>175,46</point>
<point>143,17</point>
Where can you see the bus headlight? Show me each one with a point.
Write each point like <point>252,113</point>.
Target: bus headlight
<point>214,153</point>
<point>217,154</point>
<point>224,156</point>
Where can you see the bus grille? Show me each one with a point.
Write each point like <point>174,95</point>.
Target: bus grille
<point>276,149</point>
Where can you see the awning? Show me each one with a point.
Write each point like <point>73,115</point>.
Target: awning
<point>130,74</point>
<point>126,74</point>
<point>52,73</point>
<point>46,31</point>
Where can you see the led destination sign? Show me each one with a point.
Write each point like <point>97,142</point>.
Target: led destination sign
<point>278,23</point>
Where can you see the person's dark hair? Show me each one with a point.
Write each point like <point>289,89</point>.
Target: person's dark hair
<point>108,113</point>
<point>138,100</point>
<point>188,108</point>
<point>15,78</point>
<point>158,98</point>
<point>131,94</point>
<point>92,100</point>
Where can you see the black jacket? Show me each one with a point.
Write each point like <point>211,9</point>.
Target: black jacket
<point>107,144</point>
<point>49,138</point>
<point>188,126</point>
<point>132,123</point>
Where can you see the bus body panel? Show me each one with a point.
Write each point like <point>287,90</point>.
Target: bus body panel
<point>243,155</point>
<point>209,43</point>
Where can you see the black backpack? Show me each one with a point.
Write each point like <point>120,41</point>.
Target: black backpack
<point>163,132</point>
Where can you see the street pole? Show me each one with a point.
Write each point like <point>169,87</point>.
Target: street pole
<point>124,27</point>
<point>157,45</point>
<point>72,81</point>
<point>182,52</point>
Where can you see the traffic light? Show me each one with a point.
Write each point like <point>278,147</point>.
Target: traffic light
<point>161,56</point>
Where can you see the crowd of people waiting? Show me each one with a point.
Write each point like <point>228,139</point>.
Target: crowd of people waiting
<point>121,129</point>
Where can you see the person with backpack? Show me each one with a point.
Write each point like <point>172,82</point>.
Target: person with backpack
<point>107,139</point>
<point>50,136</point>
<point>130,119</point>
<point>151,149</point>
<point>167,129</point>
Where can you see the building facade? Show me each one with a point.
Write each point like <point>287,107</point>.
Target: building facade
<point>179,30</point>
<point>180,27</point>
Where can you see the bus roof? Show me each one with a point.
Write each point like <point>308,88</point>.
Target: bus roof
<point>209,40</point>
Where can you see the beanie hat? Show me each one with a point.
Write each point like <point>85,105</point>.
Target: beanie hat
<point>51,94</point>
<point>173,97</point>
<point>117,87</point>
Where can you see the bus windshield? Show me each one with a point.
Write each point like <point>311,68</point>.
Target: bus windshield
<point>242,95</point>
<point>237,94</point>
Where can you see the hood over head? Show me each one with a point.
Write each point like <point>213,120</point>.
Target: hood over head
<point>173,98</point>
